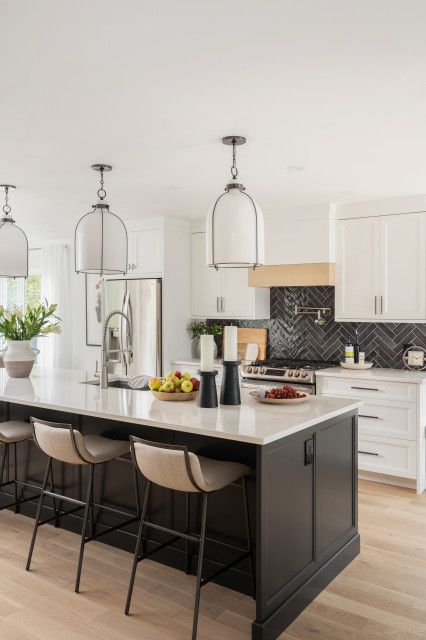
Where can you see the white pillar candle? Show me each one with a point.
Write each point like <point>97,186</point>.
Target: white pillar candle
<point>207,353</point>
<point>231,350</point>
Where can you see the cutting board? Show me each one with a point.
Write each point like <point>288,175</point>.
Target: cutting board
<point>254,336</point>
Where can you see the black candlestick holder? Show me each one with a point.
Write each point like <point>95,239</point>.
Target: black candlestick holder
<point>230,389</point>
<point>207,397</point>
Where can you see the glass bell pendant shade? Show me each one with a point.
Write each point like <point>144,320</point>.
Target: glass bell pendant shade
<point>235,235</point>
<point>101,242</point>
<point>13,250</point>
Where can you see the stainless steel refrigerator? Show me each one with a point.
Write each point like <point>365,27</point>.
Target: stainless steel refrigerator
<point>140,300</point>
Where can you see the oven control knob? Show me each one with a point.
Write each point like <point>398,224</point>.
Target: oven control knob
<point>262,370</point>
<point>303,374</point>
<point>255,369</point>
<point>248,369</point>
<point>296,374</point>
<point>289,373</point>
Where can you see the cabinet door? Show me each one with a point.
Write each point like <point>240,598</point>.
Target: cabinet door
<point>357,269</point>
<point>402,267</point>
<point>237,296</point>
<point>146,252</point>
<point>205,281</point>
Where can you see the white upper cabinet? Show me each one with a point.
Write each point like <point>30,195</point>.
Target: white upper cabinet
<point>380,269</point>
<point>402,267</point>
<point>357,273</point>
<point>145,253</point>
<point>224,293</point>
<point>205,281</point>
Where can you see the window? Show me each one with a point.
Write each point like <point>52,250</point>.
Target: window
<point>17,292</point>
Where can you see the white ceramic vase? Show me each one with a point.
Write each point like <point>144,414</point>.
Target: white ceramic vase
<point>18,358</point>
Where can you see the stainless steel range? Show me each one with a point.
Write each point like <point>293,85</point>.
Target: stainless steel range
<point>268,373</point>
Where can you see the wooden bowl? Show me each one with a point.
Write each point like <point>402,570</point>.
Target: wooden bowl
<point>174,397</point>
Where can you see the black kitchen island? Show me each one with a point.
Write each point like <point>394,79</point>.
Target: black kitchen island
<point>302,491</point>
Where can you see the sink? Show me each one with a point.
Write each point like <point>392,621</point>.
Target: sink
<point>117,384</point>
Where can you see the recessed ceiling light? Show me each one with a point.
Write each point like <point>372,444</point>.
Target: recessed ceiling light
<point>295,167</point>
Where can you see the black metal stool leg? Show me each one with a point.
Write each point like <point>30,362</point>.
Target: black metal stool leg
<point>249,540</point>
<point>38,514</point>
<point>3,462</point>
<point>52,487</point>
<point>137,493</point>
<point>200,565</point>
<point>84,528</point>
<point>15,477</point>
<point>138,548</point>
<point>187,523</point>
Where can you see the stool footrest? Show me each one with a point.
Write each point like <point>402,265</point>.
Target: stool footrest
<point>227,566</point>
<point>163,545</point>
<point>59,514</point>
<point>186,536</point>
<point>120,525</point>
<point>18,502</point>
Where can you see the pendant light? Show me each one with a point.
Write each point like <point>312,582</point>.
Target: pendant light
<point>101,237</point>
<point>13,243</point>
<point>235,234</point>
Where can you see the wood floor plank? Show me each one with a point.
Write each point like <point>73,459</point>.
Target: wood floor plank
<point>380,596</point>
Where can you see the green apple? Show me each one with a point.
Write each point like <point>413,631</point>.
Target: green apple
<point>176,381</point>
<point>154,384</point>
<point>169,375</point>
<point>161,389</point>
<point>186,386</point>
<point>169,387</point>
<point>186,376</point>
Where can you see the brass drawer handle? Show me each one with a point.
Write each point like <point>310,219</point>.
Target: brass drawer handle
<point>366,388</point>
<point>369,417</point>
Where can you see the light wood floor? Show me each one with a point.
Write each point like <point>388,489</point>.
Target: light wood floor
<point>381,595</point>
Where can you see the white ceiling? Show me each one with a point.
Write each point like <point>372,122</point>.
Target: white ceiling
<point>336,86</point>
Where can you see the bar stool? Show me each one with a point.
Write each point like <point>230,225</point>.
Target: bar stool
<point>174,467</point>
<point>13,432</point>
<point>66,444</point>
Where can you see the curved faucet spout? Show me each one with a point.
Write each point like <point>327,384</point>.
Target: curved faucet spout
<point>104,370</point>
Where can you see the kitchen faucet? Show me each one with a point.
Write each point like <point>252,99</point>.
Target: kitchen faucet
<point>106,352</point>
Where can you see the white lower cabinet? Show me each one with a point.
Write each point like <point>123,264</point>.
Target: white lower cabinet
<point>391,425</point>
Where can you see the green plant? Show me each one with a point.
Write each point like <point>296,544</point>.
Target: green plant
<point>198,329</point>
<point>37,321</point>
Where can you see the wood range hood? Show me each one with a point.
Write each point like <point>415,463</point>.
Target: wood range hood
<point>306,274</point>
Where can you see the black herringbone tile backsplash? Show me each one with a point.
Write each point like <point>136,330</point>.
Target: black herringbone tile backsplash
<point>299,337</point>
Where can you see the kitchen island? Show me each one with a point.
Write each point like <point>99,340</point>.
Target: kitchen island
<point>302,491</point>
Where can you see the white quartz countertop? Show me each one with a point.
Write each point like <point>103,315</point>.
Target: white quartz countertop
<point>390,375</point>
<point>251,421</point>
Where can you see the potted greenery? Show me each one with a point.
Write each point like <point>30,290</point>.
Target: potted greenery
<point>198,329</point>
<point>19,328</point>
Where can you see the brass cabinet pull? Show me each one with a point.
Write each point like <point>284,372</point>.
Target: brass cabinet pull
<point>222,304</point>
<point>369,417</point>
<point>217,304</point>
<point>381,305</point>
<point>369,453</point>
<point>375,305</point>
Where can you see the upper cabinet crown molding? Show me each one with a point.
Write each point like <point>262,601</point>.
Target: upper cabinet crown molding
<point>381,267</point>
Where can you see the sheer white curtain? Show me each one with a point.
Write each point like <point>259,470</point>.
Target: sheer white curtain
<point>55,350</point>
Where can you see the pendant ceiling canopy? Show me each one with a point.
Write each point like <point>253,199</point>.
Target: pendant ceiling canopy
<point>235,236</point>
<point>101,237</point>
<point>13,243</point>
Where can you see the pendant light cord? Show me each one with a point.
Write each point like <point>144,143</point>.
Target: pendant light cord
<point>7,208</point>
<point>101,191</point>
<point>234,170</point>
